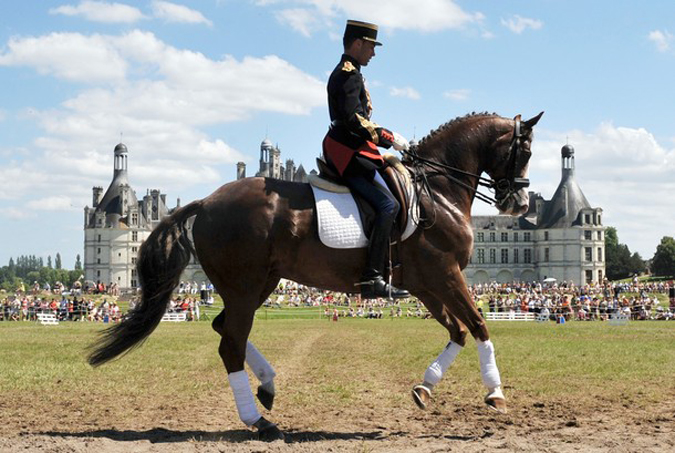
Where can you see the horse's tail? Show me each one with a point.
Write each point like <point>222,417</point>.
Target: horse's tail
<point>161,260</point>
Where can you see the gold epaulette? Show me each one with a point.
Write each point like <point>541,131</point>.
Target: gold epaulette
<point>348,66</point>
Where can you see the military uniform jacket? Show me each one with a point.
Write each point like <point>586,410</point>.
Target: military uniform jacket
<point>352,140</point>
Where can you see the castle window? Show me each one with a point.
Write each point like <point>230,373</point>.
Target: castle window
<point>505,256</point>
<point>515,236</point>
<point>134,219</point>
<point>588,253</point>
<point>589,276</point>
<point>493,256</point>
<point>98,250</point>
<point>481,256</point>
<point>505,237</point>
<point>588,235</point>
<point>600,255</point>
<point>599,235</point>
<point>546,235</point>
<point>527,256</point>
<point>134,235</point>
<point>98,273</point>
<point>587,219</point>
<point>515,256</point>
<point>599,222</point>
<point>546,254</point>
<point>493,237</point>
<point>133,260</point>
<point>133,283</point>
<point>480,237</point>
<point>98,260</point>
<point>99,238</point>
<point>527,237</point>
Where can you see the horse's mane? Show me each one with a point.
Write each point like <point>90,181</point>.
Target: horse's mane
<point>443,128</point>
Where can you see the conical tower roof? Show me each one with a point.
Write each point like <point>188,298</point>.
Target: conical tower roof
<point>563,209</point>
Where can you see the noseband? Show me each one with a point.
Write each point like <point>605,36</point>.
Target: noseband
<point>506,186</point>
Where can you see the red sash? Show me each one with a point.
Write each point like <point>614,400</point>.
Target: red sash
<point>340,155</point>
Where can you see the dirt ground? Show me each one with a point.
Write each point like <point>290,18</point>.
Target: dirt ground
<point>322,413</point>
<point>63,425</point>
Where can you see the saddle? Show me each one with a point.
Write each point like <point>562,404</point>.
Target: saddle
<point>395,175</point>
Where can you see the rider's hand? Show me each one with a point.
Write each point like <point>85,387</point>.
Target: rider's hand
<point>400,143</point>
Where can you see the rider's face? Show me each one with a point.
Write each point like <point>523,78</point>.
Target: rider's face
<point>365,52</point>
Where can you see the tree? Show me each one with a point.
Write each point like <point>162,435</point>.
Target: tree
<point>78,263</point>
<point>663,263</point>
<point>57,261</point>
<point>49,261</point>
<point>619,261</point>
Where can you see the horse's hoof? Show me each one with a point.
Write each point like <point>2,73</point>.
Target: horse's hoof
<point>268,431</point>
<point>421,395</point>
<point>266,398</point>
<point>495,401</point>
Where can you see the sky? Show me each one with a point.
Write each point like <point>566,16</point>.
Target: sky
<point>192,87</point>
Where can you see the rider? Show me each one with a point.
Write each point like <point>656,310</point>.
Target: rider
<point>350,147</point>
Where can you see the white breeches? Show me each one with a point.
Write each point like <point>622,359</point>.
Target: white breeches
<point>436,370</point>
<point>488,365</point>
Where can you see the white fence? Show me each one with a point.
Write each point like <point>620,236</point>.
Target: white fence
<point>47,319</point>
<point>175,317</point>
<point>509,316</point>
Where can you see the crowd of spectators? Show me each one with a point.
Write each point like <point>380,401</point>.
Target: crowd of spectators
<point>27,307</point>
<point>635,300</point>
<point>289,294</point>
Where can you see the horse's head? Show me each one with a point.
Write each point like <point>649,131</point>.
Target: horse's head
<point>510,157</point>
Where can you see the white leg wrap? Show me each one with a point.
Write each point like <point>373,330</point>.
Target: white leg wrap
<point>436,370</point>
<point>259,365</point>
<point>243,397</point>
<point>488,365</point>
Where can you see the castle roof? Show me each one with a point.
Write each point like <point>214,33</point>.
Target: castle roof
<point>563,209</point>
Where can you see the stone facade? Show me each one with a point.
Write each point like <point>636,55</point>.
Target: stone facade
<point>116,225</point>
<point>562,238</point>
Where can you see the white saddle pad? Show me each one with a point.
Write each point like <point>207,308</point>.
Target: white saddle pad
<point>340,223</point>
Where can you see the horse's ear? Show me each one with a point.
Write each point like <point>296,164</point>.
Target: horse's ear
<point>529,124</point>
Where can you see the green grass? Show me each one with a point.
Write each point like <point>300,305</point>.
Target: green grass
<point>571,359</point>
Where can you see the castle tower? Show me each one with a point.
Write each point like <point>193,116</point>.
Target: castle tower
<point>241,170</point>
<point>265,148</point>
<point>275,163</point>
<point>97,194</point>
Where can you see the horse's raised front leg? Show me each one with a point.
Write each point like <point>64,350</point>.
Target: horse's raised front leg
<point>434,373</point>
<point>453,294</point>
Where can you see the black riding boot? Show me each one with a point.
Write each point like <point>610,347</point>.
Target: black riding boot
<point>372,283</point>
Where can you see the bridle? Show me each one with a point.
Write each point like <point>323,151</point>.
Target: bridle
<point>506,186</point>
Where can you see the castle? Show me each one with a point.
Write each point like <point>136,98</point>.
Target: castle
<point>270,165</point>
<point>118,222</point>
<point>562,238</point>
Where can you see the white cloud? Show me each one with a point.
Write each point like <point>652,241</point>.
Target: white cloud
<point>172,12</point>
<point>662,39</point>
<point>405,92</point>
<point>518,24</point>
<point>53,203</point>
<point>421,15</point>
<point>13,213</point>
<point>70,56</point>
<point>457,95</point>
<point>101,12</point>
<point>162,110</point>
<point>619,169</point>
<point>302,20</point>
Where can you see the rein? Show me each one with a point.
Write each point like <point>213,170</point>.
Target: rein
<point>508,185</point>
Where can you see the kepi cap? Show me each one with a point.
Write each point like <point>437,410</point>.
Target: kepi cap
<point>362,30</point>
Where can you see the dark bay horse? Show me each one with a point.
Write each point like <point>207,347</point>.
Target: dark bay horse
<point>250,233</point>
